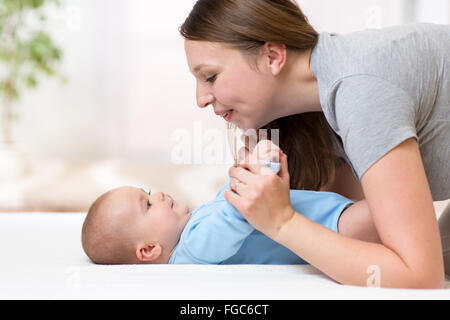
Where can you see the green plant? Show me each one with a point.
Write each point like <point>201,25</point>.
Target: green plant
<point>26,51</point>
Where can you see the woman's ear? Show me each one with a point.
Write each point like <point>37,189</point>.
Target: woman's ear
<point>277,55</point>
<point>148,253</point>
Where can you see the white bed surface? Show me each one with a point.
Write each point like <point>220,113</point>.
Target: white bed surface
<point>42,258</point>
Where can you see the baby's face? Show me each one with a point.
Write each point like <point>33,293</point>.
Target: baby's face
<point>156,218</point>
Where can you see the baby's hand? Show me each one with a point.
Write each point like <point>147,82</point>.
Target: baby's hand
<point>267,150</point>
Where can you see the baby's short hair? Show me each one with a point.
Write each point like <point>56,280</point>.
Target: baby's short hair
<point>103,239</point>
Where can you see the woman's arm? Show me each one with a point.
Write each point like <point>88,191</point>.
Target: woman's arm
<point>400,201</point>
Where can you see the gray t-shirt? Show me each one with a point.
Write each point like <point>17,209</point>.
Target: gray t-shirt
<point>380,87</point>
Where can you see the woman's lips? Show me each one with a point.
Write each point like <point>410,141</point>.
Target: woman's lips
<point>228,116</point>
<point>225,114</point>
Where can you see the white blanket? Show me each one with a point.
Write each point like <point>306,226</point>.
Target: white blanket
<point>42,258</point>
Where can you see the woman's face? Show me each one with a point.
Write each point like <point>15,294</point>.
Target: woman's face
<point>226,80</point>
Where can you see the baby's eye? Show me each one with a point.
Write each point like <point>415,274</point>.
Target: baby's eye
<point>148,201</point>
<point>212,79</point>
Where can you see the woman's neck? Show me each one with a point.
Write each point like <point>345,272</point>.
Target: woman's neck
<point>298,90</point>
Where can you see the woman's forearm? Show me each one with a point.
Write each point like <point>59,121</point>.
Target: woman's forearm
<point>346,260</point>
<point>263,199</point>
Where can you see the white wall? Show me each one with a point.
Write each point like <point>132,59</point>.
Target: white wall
<point>350,15</point>
<point>129,86</point>
<point>435,11</point>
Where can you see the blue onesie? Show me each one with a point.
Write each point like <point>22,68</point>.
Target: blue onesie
<point>217,233</point>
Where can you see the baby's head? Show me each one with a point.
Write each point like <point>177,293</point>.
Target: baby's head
<point>127,225</point>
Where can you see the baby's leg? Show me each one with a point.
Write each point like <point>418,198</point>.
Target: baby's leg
<point>356,222</point>
<point>444,228</point>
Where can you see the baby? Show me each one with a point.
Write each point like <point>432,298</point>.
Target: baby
<point>130,226</point>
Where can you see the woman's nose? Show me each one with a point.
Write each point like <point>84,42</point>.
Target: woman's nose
<point>204,99</point>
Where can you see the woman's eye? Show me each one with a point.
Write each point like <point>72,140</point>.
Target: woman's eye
<point>148,204</point>
<point>212,79</point>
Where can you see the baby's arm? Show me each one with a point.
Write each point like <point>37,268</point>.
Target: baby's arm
<point>356,222</point>
<point>217,235</point>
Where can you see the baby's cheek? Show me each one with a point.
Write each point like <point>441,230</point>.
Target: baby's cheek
<point>170,229</point>
<point>167,220</point>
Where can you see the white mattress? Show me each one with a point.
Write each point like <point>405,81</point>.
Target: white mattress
<point>42,258</point>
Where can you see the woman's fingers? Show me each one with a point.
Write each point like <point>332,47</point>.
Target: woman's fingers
<point>240,174</point>
<point>264,201</point>
<point>234,199</point>
<point>284,171</point>
<point>255,166</point>
<point>237,186</point>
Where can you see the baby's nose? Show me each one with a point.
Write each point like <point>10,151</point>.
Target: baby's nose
<point>159,196</point>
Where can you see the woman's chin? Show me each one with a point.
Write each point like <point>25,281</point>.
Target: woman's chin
<point>248,127</point>
<point>250,123</point>
<point>245,125</point>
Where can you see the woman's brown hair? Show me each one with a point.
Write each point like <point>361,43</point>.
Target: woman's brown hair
<point>247,25</point>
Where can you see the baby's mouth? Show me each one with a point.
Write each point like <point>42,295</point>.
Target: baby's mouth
<point>172,202</point>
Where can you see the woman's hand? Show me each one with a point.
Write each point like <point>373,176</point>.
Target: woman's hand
<point>260,195</point>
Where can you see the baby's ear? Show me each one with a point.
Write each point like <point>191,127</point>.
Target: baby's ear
<point>148,253</point>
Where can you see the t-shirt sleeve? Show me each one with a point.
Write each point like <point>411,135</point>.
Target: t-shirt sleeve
<point>372,117</point>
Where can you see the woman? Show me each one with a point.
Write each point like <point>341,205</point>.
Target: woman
<point>386,97</point>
